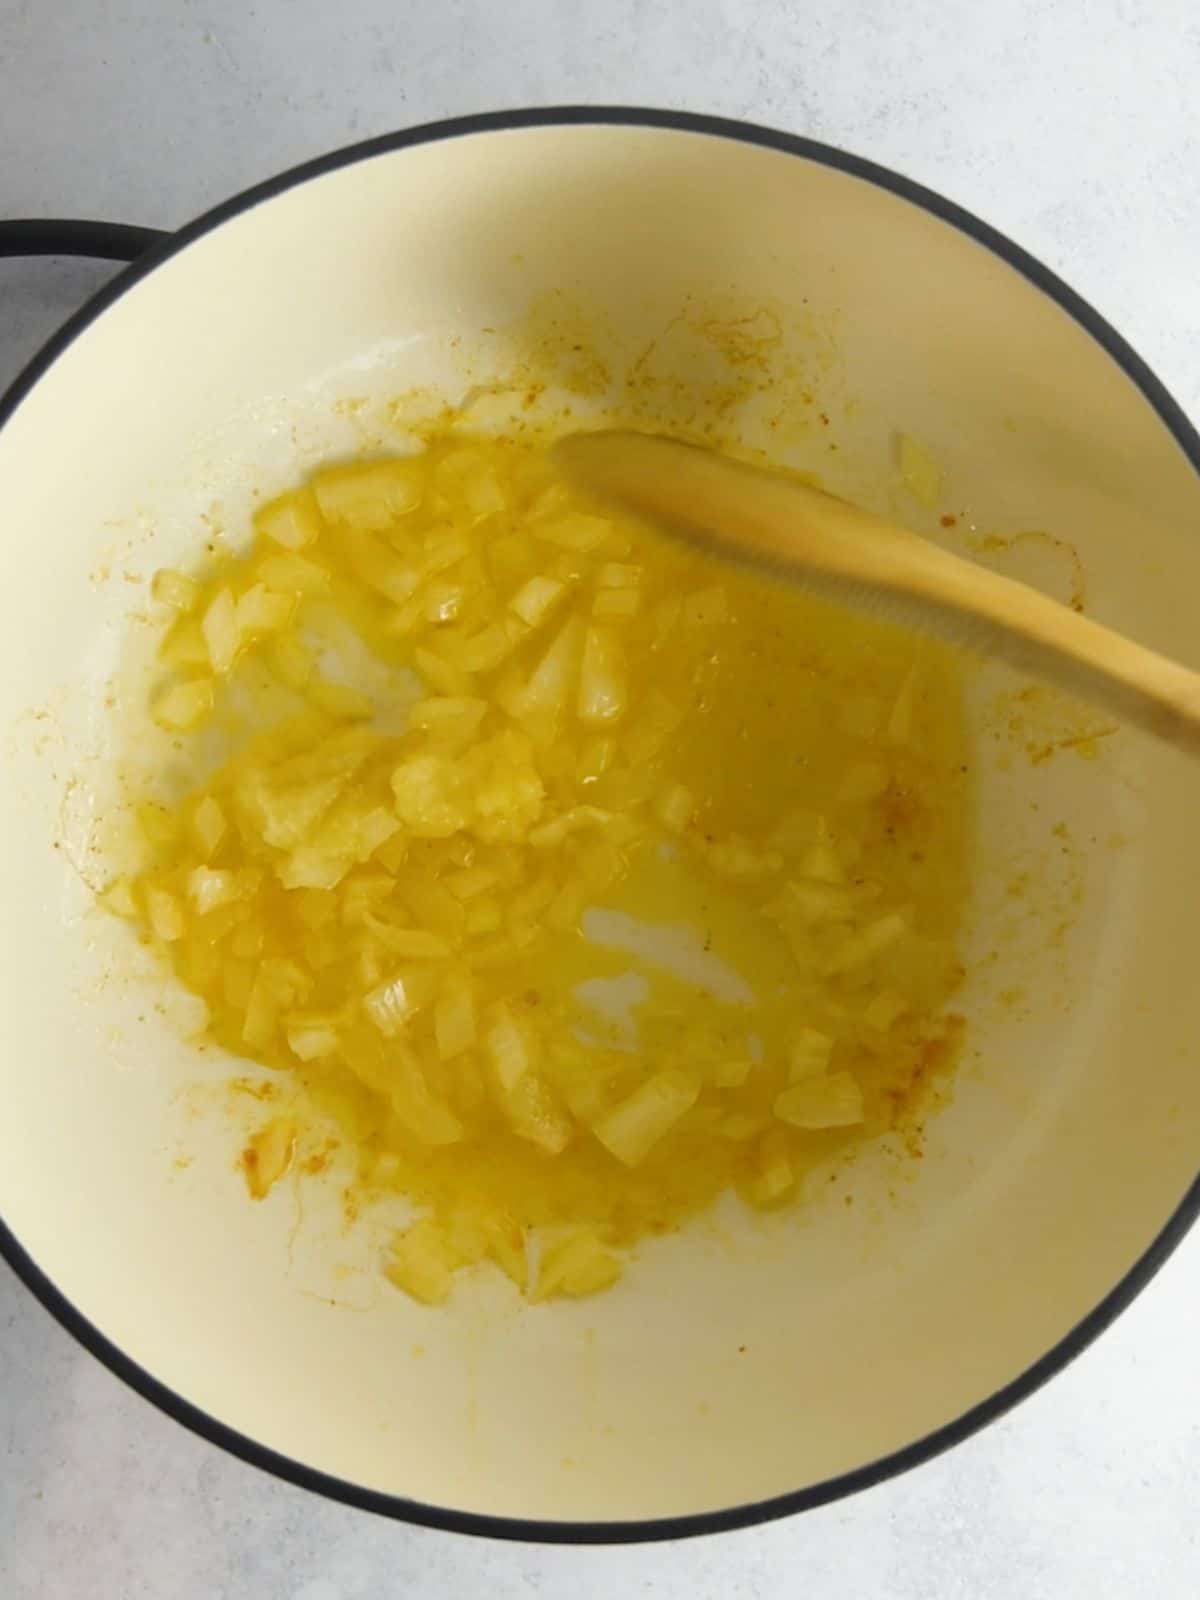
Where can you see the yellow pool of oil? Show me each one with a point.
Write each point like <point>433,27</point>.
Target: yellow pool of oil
<point>758,789</point>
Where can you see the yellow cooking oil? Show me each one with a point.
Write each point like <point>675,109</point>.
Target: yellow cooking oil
<point>567,877</point>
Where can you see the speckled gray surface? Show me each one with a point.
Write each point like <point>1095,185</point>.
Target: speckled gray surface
<point>1070,125</point>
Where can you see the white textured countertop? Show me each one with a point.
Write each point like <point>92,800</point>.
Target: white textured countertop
<point>1070,125</point>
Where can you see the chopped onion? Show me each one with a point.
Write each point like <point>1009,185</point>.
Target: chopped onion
<point>653,729</point>
<point>731,1074</point>
<point>884,1009</point>
<point>165,915</point>
<point>444,548</point>
<point>736,857</point>
<point>312,869</point>
<point>816,901</point>
<point>576,1265</point>
<point>553,499</point>
<point>454,1018</point>
<point>268,1156</point>
<point>247,940</point>
<point>865,946</point>
<point>422,1264</point>
<point>292,661</point>
<point>292,520</point>
<point>821,861</point>
<point>595,758</point>
<point>262,1014</point>
<point>410,944</point>
<point>506,1246</point>
<point>616,603</point>
<point>207,889</point>
<point>443,602</point>
<point>341,701</point>
<point>448,716</point>
<point>483,917</point>
<point>808,1055</point>
<point>675,807</point>
<point>549,835</point>
<point>261,610</point>
<point>174,589</point>
<point>293,574</point>
<point>384,572</point>
<point>776,1176</point>
<point>575,531</point>
<point>472,481</point>
<point>618,575</point>
<point>508,1048</point>
<point>485,650</point>
<point>534,1114</point>
<point>370,495</point>
<point>219,625</point>
<point>156,823</point>
<point>831,1101</point>
<point>666,619</point>
<point>536,598</point>
<point>430,798</point>
<point>444,677</point>
<point>184,645</point>
<point>284,805</point>
<point>284,980</point>
<point>740,1126</point>
<point>405,618</point>
<point>632,1128</point>
<point>392,1003</point>
<point>238,984</point>
<point>432,904</point>
<point>542,698</point>
<point>471,881</point>
<point>184,705</point>
<point>119,898</point>
<point>603,694</point>
<point>311,1038</point>
<point>415,1105</point>
<point>359,895</point>
<point>797,832</point>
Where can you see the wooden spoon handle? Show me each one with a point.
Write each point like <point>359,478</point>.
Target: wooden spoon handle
<point>841,550</point>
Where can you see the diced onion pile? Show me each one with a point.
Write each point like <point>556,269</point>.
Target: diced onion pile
<point>463,709</point>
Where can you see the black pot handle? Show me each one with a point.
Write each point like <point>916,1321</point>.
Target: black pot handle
<point>105,241</point>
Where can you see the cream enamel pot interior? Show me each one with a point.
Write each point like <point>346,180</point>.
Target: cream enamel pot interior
<point>736,1374</point>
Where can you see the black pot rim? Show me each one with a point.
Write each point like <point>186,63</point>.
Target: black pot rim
<point>1074,1342</point>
